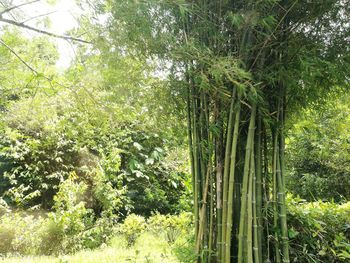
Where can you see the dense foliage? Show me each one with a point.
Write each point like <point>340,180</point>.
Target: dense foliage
<point>318,153</point>
<point>46,138</point>
<point>319,232</point>
<point>70,227</point>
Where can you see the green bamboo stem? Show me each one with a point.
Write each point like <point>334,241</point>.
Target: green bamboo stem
<point>226,176</point>
<point>218,204</point>
<point>256,244</point>
<point>266,194</point>
<point>228,229</point>
<point>206,152</point>
<point>249,243</point>
<point>275,206</point>
<point>219,168</point>
<point>196,167</point>
<point>202,213</point>
<point>211,216</point>
<point>242,222</point>
<point>282,214</point>
<point>258,190</point>
<point>191,146</point>
<point>282,201</point>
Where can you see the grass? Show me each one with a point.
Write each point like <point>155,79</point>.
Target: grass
<point>148,248</point>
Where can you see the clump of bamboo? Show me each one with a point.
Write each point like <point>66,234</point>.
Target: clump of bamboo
<point>236,148</point>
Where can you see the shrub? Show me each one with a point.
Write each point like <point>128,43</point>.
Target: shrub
<point>38,152</point>
<point>319,231</point>
<point>64,225</point>
<point>132,228</point>
<point>19,233</point>
<point>72,226</point>
<point>184,248</point>
<point>177,230</point>
<point>4,208</point>
<point>7,234</point>
<point>171,226</point>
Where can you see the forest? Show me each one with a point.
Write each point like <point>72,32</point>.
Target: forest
<point>208,131</point>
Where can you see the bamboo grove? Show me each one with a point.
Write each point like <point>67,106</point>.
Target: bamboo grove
<point>244,67</point>
<point>235,127</point>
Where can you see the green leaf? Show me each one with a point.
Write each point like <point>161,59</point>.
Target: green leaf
<point>138,174</point>
<point>137,146</point>
<point>149,161</point>
<point>292,233</point>
<point>174,184</point>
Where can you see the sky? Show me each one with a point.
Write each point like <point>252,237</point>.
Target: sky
<point>62,19</point>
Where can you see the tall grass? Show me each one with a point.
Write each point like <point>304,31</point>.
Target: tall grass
<point>148,248</point>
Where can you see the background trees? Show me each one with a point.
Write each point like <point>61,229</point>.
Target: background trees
<point>318,152</point>
<point>97,121</point>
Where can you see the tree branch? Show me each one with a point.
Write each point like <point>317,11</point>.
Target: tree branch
<point>50,80</point>
<point>65,37</point>
<point>36,73</point>
<point>17,6</point>
<point>35,17</point>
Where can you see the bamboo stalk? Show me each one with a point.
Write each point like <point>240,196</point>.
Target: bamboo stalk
<point>242,222</point>
<point>219,202</point>
<point>219,168</point>
<point>250,209</point>
<point>226,176</point>
<point>275,206</point>
<point>282,199</point>
<point>266,194</point>
<point>196,167</point>
<point>191,147</point>
<point>256,250</point>
<point>228,229</point>
<point>211,217</point>
<point>258,189</point>
<point>202,212</point>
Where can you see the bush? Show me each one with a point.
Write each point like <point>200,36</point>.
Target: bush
<point>7,234</point>
<point>38,151</point>
<point>67,229</point>
<point>184,248</point>
<point>64,225</point>
<point>319,231</point>
<point>72,226</point>
<point>177,230</point>
<point>132,228</point>
<point>170,226</point>
<point>19,233</point>
<point>34,166</point>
